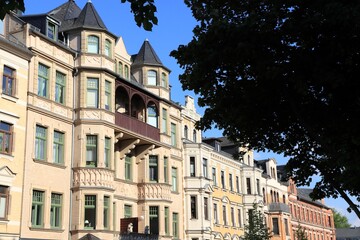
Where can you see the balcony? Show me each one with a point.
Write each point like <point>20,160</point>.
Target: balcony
<point>279,207</point>
<point>137,126</point>
<point>154,191</point>
<point>93,177</point>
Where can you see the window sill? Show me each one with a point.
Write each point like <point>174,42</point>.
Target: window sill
<point>42,229</point>
<point>49,163</point>
<point>10,97</point>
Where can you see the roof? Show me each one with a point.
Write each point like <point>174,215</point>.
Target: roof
<point>89,237</point>
<point>348,233</point>
<point>147,56</point>
<point>89,18</point>
<point>304,194</point>
<point>66,14</point>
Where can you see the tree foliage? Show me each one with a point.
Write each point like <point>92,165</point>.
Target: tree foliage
<point>256,228</point>
<point>283,76</point>
<point>340,220</point>
<point>300,233</point>
<point>10,5</point>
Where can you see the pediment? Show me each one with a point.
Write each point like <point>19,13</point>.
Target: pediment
<point>208,188</point>
<point>225,200</point>
<point>217,235</point>
<point>6,175</point>
<point>227,236</point>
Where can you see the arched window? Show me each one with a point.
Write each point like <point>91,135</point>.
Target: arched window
<point>93,44</point>
<point>152,115</point>
<point>163,80</point>
<point>108,48</point>
<point>127,73</point>
<point>120,69</point>
<point>186,132</point>
<point>194,135</point>
<point>151,77</point>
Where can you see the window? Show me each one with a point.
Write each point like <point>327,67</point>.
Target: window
<point>153,168</point>
<point>164,121</point>
<point>107,152</point>
<point>214,176</point>
<point>166,178</point>
<point>186,130</point>
<point>151,77</point>
<point>239,217</point>
<point>224,215</point>
<point>128,167</point>
<point>223,179</point>
<point>173,134</point>
<point>40,142</point>
<point>91,150</point>
<point>93,44</point>
<point>43,80</point>
<point>6,135</point>
<point>127,74</point>
<point>107,48</point>
<point>205,167</point>
<point>107,95</point>
<point>90,212</point>
<point>58,148</point>
<point>237,184</point>
<point>258,186</point>
<point>230,182</point>
<point>174,186</point>
<point>193,207</point>
<point>216,220</point>
<point>175,225</point>
<point>206,208</point>
<point>232,217</point>
<point>248,186</point>
<point>192,166</point>
<point>154,219</point>
<point>51,32</point>
<point>194,136</point>
<point>92,92</point>
<point>106,214</point>
<point>275,223</point>
<point>37,209</point>
<point>127,211</point>
<point>163,80</point>
<point>286,227</point>
<point>121,69</point>
<point>60,87</point>
<point>9,81</point>
<point>55,211</point>
<point>152,115</point>
<point>166,220</point>
<point>4,201</point>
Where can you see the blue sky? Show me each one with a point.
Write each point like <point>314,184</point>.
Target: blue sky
<point>174,28</point>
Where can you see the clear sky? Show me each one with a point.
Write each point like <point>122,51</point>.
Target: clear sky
<point>174,28</point>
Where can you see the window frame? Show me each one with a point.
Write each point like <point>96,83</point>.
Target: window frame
<point>4,201</point>
<point>9,78</point>
<point>127,211</point>
<point>7,133</point>
<point>37,209</point>
<point>108,48</point>
<point>166,167</point>
<point>92,89</point>
<point>173,135</point>
<point>92,45</point>
<point>153,168</point>
<point>205,167</point>
<point>90,145</point>
<point>128,167</point>
<point>175,224</point>
<point>58,143</point>
<point>106,212</point>
<point>192,166</point>
<point>193,207</point>
<point>174,180</point>
<point>151,77</point>
<point>107,100</point>
<point>90,202</point>
<point>43,80</point>
<point>164,121</point>
<point>163,80</point>
<point>107,152</point>
<point>56,209</point>
<point>41,142</point>
<point>60,85</point>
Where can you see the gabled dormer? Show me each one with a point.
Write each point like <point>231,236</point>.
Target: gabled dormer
<point>45,24</point>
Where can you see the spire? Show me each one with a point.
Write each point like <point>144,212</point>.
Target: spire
<point>147,56</point>
<point>66,14</point>
<point>89,18</point>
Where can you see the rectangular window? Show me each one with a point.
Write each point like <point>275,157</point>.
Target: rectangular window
<point>37,209</point>
<point>166,221</point>
<point>248,186</point>
<point>91,150</point>
<point>237,184</point>
<point>214,176</point>
<point>193,207</point>
<point>43,80</point>
<point>128,167</point>
<point>223,179</point>
<point>206,208</point>
<point>173,134</point>
<point>4,202</point>
<point>258,186</point>
<point>216,219</point>
<point>232,217</point>
<point>164,121</point>
<point>286,227</point>
<point>58,148</point>
<point>166,175</point>
<point>275,223</point>
<point>154,219</point>
<point>93,44</point>
<point>92,98</point>
<point>231,182</point>
<point>106,214</point>
<point>174,186</point>
<point>175,225</point>
<point>55,211</point>
<point>90,212</point>
<point>107,48</point>
<point>107,95</point>
<point>60,87</point>
<point>107,152</point>
<point>205,167</point>
<point>6,136</point>
<point>127,211</point>
<point>40,142</point>
<point>224,215</point>
<point>9,81</point>
<point>192,166</point>
<point>51,32</point>
<point>239,217</point>
<point>153,168</point>
<point>163,80</point>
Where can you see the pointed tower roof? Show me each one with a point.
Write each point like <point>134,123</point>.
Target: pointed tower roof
<point>89,18</point>
<point>66,14</point>
<point>147,56</point>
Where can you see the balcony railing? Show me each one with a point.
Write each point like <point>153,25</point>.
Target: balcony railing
<point>279,207</point>
<point>93,177</point>
<point>137,126</point>
<point>154,191</point>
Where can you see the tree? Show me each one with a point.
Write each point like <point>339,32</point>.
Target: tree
<point>340,220</point>
<point>300,233</point>
<point>283,76</point>
<point>256,228</point>
<point>143,10</point>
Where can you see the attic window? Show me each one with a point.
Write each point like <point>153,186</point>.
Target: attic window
<point>51,30</point>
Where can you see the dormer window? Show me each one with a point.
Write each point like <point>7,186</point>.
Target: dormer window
<point>51,30</point>
<point>107,48</point>
<point>151,78</point>
<point>93,44</point>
